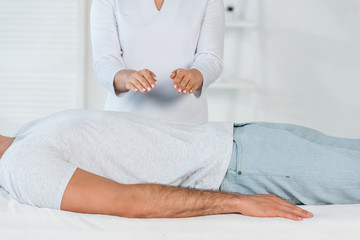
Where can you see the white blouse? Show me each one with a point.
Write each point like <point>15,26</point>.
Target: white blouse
<point>133,34</point>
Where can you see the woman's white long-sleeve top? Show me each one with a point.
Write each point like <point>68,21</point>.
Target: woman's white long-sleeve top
<point>133,34</point>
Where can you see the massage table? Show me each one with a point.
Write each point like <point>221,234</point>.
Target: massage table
<point>19,222</point>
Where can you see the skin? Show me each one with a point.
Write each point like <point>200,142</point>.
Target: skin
<point>184,81</point>
<point>159,4</point>
<point>187,81</point>
<point>5,143</point>
<point>138,81</point>
<point>90,193</point>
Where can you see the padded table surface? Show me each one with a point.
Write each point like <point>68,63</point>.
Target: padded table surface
<point>19,222</point>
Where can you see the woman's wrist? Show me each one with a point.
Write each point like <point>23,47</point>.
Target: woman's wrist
<point>199,77</point>
<point>121,78</point>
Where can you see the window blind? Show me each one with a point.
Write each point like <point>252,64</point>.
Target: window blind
<point>41,59</point>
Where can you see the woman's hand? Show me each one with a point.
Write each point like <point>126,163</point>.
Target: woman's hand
<point>187,81</point>
<point>143,80</point>
<point>270,206</point>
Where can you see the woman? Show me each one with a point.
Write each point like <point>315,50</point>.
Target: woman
<point>158,57</point>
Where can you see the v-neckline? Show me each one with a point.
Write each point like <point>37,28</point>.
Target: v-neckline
<point>161,7</point>
<point>151,13</point>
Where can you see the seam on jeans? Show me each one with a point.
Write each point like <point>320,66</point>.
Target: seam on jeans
<point>299,176</point>
<point>239,152</point>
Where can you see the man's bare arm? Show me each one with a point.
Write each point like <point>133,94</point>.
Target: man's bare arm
<point>90,193</point>
<point>159,201</point>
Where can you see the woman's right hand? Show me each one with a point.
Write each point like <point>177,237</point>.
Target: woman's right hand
<point>143,80</point>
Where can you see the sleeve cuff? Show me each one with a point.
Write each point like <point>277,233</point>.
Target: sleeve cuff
<point>206,81</point>
<point>106,76</point>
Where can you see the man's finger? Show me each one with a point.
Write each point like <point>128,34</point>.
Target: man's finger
<point>302,213</point>
<point>294,210</point>
<point>290,216</point>
<point>297,209</point>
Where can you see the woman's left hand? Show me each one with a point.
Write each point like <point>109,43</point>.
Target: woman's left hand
<point>187,81</point>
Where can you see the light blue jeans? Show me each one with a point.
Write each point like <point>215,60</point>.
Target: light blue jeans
<point>298,164</point>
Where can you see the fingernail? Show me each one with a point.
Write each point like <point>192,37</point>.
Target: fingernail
<point>299,218</point>
<point>149,89</point>
<point>184,91</point>
<point>153,85</point>
<point>309,214</point>
<point>179,90</point>
<point>191,91</point>
<point>144,89</point>
<point>136,89</point>
<point>175,86</point>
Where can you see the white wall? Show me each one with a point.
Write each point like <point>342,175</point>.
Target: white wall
<point>41,60</point>
<point>311,64</point>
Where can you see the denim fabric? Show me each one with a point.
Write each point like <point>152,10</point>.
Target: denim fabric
<point>298,164</point>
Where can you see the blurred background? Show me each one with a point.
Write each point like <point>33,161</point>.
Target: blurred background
<point>293,61</point>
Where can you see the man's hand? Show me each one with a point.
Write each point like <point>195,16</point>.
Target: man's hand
<point>143,80</point>
<point>187,81</point>
<point>270,206</point>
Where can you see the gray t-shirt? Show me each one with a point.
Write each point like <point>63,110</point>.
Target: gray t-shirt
<point>127,148</point>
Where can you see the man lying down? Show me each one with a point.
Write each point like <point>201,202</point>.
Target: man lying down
<point>119,164</point>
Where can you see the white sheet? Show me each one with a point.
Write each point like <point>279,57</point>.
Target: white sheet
<point>18,221</point>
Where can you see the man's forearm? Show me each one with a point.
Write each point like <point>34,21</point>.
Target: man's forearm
<point>89,193</point>
<point>159,201</point>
